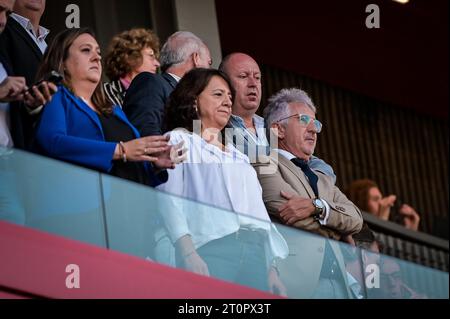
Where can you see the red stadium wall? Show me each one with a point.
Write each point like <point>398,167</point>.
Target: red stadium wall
<point>33,264</point>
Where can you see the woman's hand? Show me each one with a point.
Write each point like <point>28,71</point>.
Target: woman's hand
<point>410,217</point>
<point>193,262</point>
<point>172,156</point>
<point>385,206</point>
<point>191,259</point>
<point>140,149</point>
<point>41,94</point>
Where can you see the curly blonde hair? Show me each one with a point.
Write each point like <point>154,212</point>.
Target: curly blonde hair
<point>124,51</point>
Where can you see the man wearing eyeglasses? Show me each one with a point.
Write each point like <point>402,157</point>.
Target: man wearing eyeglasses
<point>305,198</point>
<point>245,128</point>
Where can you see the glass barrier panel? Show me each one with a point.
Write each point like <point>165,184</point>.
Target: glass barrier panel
<point>131,216</point>
<point>51,196</point>
<point>106,211</point>
<point>237,248</point>
<point>145,222</point>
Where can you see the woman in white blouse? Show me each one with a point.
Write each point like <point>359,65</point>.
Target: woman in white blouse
<point>240,247</point>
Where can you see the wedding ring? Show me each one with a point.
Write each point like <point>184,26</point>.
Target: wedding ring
<point>145,151</point>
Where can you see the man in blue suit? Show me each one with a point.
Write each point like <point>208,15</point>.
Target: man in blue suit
<point>148,93</point>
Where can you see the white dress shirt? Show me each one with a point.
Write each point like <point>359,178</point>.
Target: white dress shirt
<point>290,156</point>
<point>39,38</point>
<point>5,135</point>
<point>176,77</point>
<point>225,180</point>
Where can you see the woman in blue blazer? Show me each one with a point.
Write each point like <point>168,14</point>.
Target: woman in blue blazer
<point>80,125</point>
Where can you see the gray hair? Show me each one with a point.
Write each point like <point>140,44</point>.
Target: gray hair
<point>279,103</point>
<point>179,47</point>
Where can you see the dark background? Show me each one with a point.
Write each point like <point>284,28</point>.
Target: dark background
<point>405,62</point>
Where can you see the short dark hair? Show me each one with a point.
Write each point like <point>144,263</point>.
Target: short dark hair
<point>180,111</point>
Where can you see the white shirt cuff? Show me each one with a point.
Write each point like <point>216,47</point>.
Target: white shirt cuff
<point>324,221</point>
<point>34,111</point>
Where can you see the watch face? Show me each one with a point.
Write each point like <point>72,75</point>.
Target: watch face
<point>318,203</point>
<point>320,209</point>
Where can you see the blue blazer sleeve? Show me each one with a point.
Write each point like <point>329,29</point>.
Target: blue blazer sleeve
<point>144,103</point>
<point>68,133</point>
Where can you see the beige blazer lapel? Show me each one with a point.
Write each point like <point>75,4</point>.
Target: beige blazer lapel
<point>298,173</point>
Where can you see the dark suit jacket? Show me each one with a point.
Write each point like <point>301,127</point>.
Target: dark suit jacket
<point>19,51</point>
<point>21,57</point>
<point>145,101</point>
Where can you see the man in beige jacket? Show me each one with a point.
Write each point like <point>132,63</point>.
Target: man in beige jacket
<point>298,196</point>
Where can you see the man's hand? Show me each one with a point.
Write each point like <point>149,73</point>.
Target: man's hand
<point>410,217</point>
<point>41,94</point>
<point>295,209</point>
<point>12,88</point>
<point>275,285</point>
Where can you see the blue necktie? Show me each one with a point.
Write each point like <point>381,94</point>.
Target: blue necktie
<point>312,177</point>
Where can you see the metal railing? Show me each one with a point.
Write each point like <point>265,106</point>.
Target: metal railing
<point>406,244</point>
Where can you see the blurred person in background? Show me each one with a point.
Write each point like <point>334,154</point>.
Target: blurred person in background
<point>366,194</point>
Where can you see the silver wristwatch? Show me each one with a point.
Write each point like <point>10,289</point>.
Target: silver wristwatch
<point>319,206</point>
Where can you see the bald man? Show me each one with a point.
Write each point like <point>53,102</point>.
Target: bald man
<point>246,129</point>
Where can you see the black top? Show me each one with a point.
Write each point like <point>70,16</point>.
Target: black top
<point>115,131</point>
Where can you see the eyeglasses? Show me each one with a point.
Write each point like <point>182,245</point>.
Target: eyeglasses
<point>304,121</point>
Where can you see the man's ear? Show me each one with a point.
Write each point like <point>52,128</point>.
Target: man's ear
<point>196,59</point>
